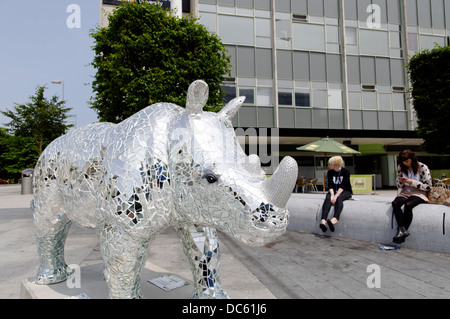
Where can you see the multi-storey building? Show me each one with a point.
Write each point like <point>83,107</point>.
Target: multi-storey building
<point>317,68</point>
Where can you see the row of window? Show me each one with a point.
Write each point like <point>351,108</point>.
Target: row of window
<point>249,62</point>
<point>426,13</point>
<point>325,8</point>
<point>321,97</point>
<point>323,36</point>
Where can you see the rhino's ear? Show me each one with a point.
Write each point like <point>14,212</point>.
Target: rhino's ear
<point>197,96</point>
<point>232,107</point>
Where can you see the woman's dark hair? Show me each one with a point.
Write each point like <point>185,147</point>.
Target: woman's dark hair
<point>405,155</point>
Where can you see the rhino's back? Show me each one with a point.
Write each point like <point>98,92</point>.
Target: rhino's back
<point>102,158</point>
<point>90,145</point>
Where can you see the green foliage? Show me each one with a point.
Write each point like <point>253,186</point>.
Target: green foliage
<point>146,55</point>
<point>32,127</point>
<point>18,153</point>
<point>430,79</point>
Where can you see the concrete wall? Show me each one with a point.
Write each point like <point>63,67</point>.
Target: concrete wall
<point>369,218</point>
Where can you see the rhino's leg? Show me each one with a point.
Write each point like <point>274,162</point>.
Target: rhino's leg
<point>51,233</point>
<point>201,246</point>
<point>124,257</point>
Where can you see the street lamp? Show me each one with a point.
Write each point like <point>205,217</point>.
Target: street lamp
<point>60,82</point>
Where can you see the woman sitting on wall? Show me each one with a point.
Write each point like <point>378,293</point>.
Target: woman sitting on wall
<point>414,182</point>
<point>339,190</point>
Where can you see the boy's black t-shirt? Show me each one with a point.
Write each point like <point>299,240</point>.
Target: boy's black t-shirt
<point>339,179</point>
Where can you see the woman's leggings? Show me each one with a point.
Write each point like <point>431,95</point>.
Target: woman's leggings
<point>404,218</point>
<point>338,206</point>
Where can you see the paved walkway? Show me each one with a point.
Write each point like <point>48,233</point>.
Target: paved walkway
<point>297,265</point>
<point>304,265</point>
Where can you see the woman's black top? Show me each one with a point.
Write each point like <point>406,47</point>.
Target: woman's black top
<point>339,179</point>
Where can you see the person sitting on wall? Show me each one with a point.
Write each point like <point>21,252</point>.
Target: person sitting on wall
<point>339,190</point>
<point>414,182</point>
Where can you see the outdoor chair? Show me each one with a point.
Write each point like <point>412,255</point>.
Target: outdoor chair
<point>446,183</point>
<point>300,183</point>
<point>312,185</point>
<point>438,182</point>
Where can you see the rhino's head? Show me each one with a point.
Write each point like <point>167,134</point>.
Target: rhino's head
<point>216,184</point>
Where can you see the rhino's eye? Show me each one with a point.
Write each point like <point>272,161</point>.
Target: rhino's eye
<point>211,178</point>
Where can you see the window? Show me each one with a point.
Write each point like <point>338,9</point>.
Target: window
<point>335,99</point>
<point>350,36</point>
<point>209,21</point>
<point>245,4</point>
<point>318,67</point>
<point>264,96</point>
<point>236,30</point>
<point>302,99</point>
<point>334,67</point>
<point>424,11</point>
<point>333,39</point>
<point>320,98</point>
<point>315,7</point>
<point>368,70</point>
<point>411,12</point>
<point>285,98</point>
<point>384,101</point>
<point>354,100</point>
<point>394,14</point>
<point>369,100</point>
<point>353,69</point>
<point>413,42</point>
<point>230,93</point>
<point>263,63</point>
<point>399,101</point>
<point>308,37</point>
<point>263,28</point>
<point>429,42</point>
<point>301,65</point>
<point>332,34</point>
<point>249,94</point>
<point>351,9</point>
<point>383,71</point>
<point>374,42</point>
<point>395,40</point>
<point>397,72</point>
<point>283,6</point>
<point>437,14</point>
<point>226,2</point>
<point>284,65</point>
<point>246,62</point>
<point>331,8</point>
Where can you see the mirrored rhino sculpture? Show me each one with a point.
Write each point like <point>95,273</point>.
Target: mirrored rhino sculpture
<point>164,166</point>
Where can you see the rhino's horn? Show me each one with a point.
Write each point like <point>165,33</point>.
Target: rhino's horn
<point>197,96</point>
<point>232,107</point>
<point>279,186</point>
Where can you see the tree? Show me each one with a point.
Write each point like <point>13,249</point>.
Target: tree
<point>17,153</point>
<point>430,78</point>
<point>42,120</point>
<point>147,55</point>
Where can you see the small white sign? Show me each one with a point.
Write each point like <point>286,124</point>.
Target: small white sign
<point>168,282</point>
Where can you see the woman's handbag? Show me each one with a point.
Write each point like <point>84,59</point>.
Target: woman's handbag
<point>438,195</point>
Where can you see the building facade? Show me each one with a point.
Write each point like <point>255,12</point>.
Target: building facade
<point>336,64</point>
<point>317,68</point>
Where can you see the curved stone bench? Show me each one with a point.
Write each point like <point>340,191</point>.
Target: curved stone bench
<point>370,218</point>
